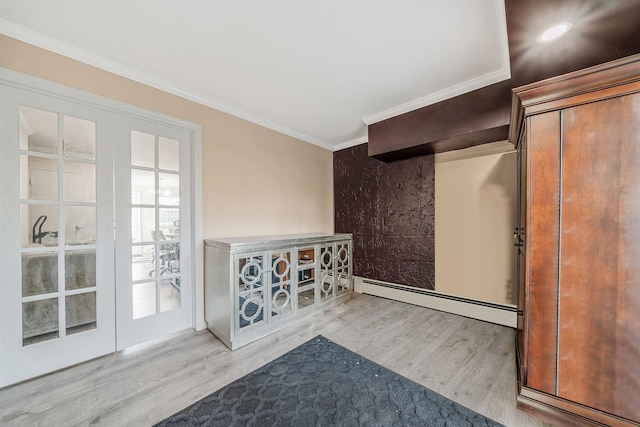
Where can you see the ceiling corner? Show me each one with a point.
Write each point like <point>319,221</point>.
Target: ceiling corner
<point>352,143</point>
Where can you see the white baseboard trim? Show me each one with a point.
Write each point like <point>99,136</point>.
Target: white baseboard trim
<point>501,314</point>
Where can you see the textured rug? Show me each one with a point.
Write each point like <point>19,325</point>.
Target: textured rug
<point>321,383</point>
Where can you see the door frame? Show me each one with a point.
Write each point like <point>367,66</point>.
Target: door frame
<point>22,81</point>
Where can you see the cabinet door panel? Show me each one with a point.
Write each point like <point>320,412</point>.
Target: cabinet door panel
<point>542,249</point>
<point>250,282</point>
<point>599,336</point>
<point>520,251</point>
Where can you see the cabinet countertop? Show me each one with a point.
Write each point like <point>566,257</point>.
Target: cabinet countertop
<point>277,240</point>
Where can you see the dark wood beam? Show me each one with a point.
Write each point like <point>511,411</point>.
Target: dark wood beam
<point>470,119</point>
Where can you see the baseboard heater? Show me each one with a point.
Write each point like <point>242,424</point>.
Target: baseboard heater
<point>502,314</point>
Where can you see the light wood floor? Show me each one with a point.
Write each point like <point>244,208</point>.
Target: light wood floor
<point>469,361</point>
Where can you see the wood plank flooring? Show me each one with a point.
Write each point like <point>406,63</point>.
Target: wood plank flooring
<point>469,361</point>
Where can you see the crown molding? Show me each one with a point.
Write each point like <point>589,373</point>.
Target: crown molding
<point>441,95</point>
<point>352,143</point>
<point>57,46</point>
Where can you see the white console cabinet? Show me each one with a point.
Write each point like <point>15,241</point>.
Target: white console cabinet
<point>257,285</point>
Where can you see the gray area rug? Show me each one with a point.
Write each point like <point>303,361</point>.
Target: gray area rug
<point>321,383</point>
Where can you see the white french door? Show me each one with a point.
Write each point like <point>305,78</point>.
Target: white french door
<point>153,225</point>
<point>74,288</point>
<point>56,222</point>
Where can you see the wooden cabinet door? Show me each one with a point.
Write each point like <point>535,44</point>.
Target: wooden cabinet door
<point>542,231</point>
<point>519,240</point>
<point>599,321</point>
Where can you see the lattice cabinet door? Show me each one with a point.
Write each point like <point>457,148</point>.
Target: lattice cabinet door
<point>281,274</point>
<point>250,281</point>
<point>343,267</point>
<point>327,285</point>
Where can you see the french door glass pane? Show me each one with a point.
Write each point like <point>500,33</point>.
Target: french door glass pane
<point>39,321</point>
<point>38,178</point>
<point>169,191</point>
<point>142,262</point>
<point>143,187</point>
<point>169,294</point>
<point>39,225</point>
<point>80,225</point>
<point>168,154</point>
<point>80,311</point>
<point>79,182</point>
<point>169,258</point>
<point>143,224</point>
<point>80,269</point>
<point>39,129</point>
<point>144,299</point>
<point>39,273</point>
<point>79,138</point>
<point>169,222</point>
<point>143,149</point>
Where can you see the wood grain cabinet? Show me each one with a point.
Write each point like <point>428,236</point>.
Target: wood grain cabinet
<point>255,286</point>
<point>578,137</point>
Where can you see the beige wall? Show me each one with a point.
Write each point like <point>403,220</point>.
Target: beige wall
<point>255,181</point>
<point>475,217</point>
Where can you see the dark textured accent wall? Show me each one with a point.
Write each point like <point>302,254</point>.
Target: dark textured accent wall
<point>389,208</point>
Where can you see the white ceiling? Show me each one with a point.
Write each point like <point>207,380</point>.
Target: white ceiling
<point>316,70</point>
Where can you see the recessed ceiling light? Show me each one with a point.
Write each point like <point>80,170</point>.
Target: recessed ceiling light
<point>554,32</point>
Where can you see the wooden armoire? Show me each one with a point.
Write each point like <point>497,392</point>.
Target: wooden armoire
<point>578,138</point>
